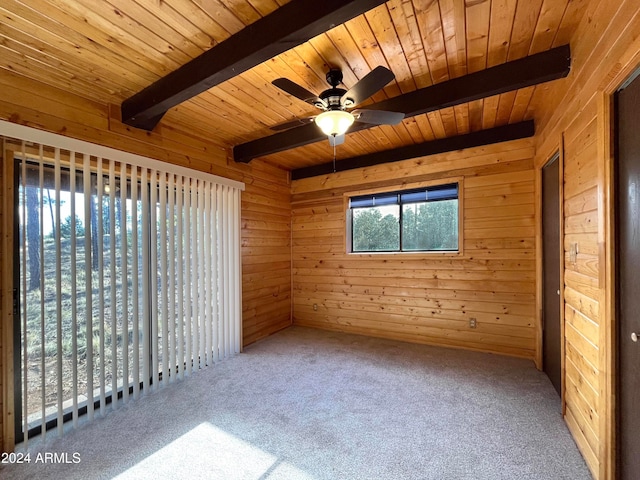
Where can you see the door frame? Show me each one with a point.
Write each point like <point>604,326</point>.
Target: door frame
<point>7,212</point>
<point>607,240</point>
<point>632,72</point>
<point>608,250</point>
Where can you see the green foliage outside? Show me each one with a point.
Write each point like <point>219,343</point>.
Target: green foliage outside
<point>425,226</point>
<point>374,233</point>
<point>65,228</point>
<point>430,226</point>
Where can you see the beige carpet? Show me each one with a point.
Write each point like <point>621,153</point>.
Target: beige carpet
<point>308,404</point>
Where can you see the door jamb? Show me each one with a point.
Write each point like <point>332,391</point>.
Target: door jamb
<point>7,440</point>
<point>563,383</point>
<point>610,336</point>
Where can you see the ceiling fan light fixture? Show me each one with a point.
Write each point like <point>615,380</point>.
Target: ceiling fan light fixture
<point>334,122</point>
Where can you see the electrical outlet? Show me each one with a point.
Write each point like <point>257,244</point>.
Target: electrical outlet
<point>315,307</point>
<point>473,323</point>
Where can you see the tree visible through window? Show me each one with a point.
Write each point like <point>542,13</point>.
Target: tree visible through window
<point>425,219</point>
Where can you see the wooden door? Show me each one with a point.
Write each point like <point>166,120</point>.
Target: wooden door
<point>628,261</point>
<point>551,338</point>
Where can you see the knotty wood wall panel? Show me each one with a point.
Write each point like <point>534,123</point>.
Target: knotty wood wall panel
<point>581,305</point>
<point>576,116</point>
<point>266,208</point>
<point>7,189</point>
<point>426,298</point>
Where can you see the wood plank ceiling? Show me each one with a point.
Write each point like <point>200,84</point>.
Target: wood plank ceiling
<point>108,50</point>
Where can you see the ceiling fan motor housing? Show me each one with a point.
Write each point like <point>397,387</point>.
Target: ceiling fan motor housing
<point>332,98</point>
<point>334,77</point>
<point>333,95</point>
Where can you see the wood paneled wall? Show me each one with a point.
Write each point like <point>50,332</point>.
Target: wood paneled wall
<point>266,252</point>
<point>426,298</point>
<point>266,208</point>
<point>581,283</point>
<point>576,116</point>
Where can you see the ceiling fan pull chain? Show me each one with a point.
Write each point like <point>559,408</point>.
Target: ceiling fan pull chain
<point>334,155</point>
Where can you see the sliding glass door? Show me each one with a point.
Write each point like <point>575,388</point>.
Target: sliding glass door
<point>128,280</point>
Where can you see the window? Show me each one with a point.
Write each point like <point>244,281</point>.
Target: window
<point>416,220</point>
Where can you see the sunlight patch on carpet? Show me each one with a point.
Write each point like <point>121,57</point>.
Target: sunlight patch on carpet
<point>208,452</point>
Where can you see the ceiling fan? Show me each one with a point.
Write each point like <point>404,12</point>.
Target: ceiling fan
<point>335,102</point>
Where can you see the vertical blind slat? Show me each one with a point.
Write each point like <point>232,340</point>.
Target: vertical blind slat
<point>188,277</point>
<point>153,241</point>
<point>201,279</point>
<point>195,290</point>
<point>124,281</point>
<point>225,260</point>
<point>146,307</point>
<point>164,334</point>
<point>229,234</point>
<point>58,291</point>
<point>213,272</point>
<point>236,280</point>
<point>113,283</point>
<point>172,279</point>
<point>74,289</point>
<point>229,273</point>
<point>86,184</point>
<point>134,280</point>
<point>101,301</point>
<point>219,271</point>
<point>207,269</point>
<point>231,298</point>
<point>43,358</point>
<point>180,314</point>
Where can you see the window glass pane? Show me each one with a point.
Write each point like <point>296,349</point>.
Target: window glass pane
<point>430,226</point>
<point>39,259</point>
<point>376,229</point>
<point>41,304</point>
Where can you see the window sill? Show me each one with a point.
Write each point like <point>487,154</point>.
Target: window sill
<point>452,253</point>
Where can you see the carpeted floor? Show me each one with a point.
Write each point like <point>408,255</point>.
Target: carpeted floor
<point>307,404</point>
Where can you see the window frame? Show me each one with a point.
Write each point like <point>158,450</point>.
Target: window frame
<point>400,188</point>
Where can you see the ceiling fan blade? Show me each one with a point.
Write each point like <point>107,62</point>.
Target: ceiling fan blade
<point>297,91</point>
<point>336,140</point>
<point>368,85</point>
<point>298,122</point>
<point>378,117</point>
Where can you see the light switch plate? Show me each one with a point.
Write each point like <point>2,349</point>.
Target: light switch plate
<point>573,252</point>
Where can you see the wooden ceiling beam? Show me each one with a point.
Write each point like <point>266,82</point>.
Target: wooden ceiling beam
<point>504,133</point>
<point>528,71</point>
<point>280,31</point>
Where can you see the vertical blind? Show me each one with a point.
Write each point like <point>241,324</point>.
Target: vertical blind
<point>129,279</point>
